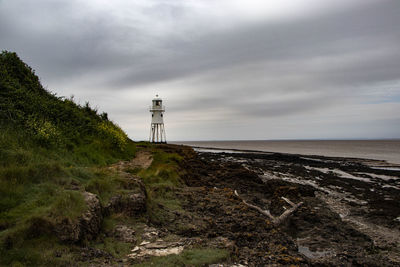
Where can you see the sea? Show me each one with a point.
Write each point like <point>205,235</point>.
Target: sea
<point>386,150</point>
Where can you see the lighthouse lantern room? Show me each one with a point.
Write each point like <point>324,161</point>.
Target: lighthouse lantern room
<point>157,129</point>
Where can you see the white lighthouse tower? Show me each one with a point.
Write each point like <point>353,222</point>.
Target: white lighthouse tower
<point>157,129</point>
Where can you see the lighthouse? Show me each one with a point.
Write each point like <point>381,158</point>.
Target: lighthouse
<point>157,129</point>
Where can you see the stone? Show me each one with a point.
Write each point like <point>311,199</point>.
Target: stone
<point>158,248</point>
<point>124,233</point>
<point>86,226</point>
<point>131,204</point>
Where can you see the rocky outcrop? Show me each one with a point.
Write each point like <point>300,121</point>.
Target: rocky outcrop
<point>129,204</point>
<point>86,226</point>
<point>132,203</point>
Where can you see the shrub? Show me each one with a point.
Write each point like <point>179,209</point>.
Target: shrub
<point>50,149</point>
<point>117,137</point>
<point>44,131</point>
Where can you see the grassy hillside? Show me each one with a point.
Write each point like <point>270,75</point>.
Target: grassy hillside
<point>49,145</point>
<point>53,154</point>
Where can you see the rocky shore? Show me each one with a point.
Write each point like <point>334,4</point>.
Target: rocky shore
<point>350,214</point>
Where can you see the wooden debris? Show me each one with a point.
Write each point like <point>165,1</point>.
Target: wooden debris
<point>275,220</point>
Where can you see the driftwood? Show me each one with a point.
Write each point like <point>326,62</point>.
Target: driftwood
<point>275,220</point>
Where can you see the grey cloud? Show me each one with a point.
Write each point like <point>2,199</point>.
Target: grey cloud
<point>263,70</point>
<point>356,30</point>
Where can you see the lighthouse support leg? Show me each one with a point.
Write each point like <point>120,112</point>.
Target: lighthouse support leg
<point>158,140</point>
<point>154,128</point>
<point>157,133</point>
<point>151,130</point>
<point>161,133</point>
<point>165,140</point>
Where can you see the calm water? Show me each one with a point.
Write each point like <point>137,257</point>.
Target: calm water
<point>388,150</point>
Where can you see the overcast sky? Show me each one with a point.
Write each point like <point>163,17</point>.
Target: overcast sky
<point>228,69</point>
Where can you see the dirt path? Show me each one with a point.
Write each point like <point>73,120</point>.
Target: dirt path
<point>142,160</point>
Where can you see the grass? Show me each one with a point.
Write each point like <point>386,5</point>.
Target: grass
<point>35,185</point>
<point>51,150</point>
<point>116,248</point>
<point>189,257</point>
<point>162,180</point>
<point>41,251</point>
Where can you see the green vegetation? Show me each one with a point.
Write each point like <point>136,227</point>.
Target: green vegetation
<point>189,257</point>
<point>49,148</point>
<point>161,180</point>
<point>51,151</point>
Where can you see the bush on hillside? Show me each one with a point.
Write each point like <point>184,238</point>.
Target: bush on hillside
<point>50,120</point>
<point>51,150</point>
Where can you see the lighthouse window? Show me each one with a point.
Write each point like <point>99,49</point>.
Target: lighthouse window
<point>152,115</point>
<point>158,103</point>
<point>161,115</point>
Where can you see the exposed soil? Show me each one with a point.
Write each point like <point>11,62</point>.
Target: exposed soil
<point>143,160</point>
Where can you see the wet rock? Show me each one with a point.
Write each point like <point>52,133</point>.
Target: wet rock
<point>86,226</point>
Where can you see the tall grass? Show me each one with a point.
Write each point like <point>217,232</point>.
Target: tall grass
<point>51,149</point>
